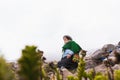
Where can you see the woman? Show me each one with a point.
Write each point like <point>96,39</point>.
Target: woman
<point>70,48</point>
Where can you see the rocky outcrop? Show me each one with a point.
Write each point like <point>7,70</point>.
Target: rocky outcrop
<point>97,59</point>
<point>107,51</point>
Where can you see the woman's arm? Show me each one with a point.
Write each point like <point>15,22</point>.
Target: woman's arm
<point>69,53</point>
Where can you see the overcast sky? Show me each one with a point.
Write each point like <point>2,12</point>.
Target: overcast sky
<point>91,23</point>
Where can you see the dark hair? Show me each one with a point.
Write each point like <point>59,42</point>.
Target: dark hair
<point>119,43</point>
<point>67,36</point>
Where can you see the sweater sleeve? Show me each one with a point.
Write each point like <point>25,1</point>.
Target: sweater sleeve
<point>68,51</point>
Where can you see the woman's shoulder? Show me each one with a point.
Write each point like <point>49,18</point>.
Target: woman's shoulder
<point>73,42</point>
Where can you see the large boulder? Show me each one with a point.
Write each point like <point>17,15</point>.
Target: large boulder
<point>108,47</point>
<point>90,63</point>
<point>97,54</point>
<point>116,67</point>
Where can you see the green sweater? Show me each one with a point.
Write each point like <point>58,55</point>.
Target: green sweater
<point>73,46</point>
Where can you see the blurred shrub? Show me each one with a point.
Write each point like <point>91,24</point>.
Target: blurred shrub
<point>6,72</point>
<point>30,64</point>
<point>117,75</point>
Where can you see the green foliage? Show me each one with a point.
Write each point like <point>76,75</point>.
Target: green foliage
<point>72,78</point>
<point>91,74</point>
<point>81,69</point>
<point>31,64</point>
<point>55,70</point>
<point>57,74</point>
<point>81,66</point>
<point>101,77</point>
<point>117,75</point>
<point>5,70</point>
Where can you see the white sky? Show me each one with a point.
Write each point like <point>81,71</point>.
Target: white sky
<point>91,23</point>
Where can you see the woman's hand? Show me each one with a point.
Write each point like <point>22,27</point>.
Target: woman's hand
<point>69,55</point>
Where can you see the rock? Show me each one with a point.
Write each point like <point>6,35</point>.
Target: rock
<point>66,73</point>
<point>101,68</point>
<point>116,67</point>
<point>116,55</point>
<point>108,47</point>
<point>90,63</point>
<point>97,54</point>
<point>94,62</point>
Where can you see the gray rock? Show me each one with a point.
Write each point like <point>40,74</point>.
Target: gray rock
<point>90,63</point>
<point>108,47</point>
<point>97,54</point>
<point>116,67</point>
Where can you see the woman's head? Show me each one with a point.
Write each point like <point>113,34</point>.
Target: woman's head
<point>67,38</point>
